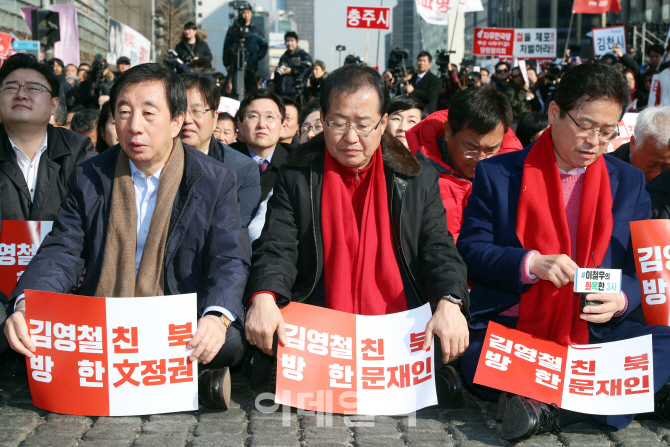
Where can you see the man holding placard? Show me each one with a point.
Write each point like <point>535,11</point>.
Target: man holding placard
<point>536,215</point>
<point>356,224</point>
<point>151,217</point>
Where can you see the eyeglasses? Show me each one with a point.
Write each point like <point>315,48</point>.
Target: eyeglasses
<point>317,127</point>
<point>518,75</point>
<point>254,117</point>
<point>504,70</point>
<point>469,153</point>
<point>587,130</point>
<point>31,88</point>
<point>198,112</point>
<point>362,130</point>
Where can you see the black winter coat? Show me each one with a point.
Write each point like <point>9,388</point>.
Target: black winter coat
<point>207,250</point>
<point>65,150</point>
<point>199,49</point>
<point>288,256</point>
<point>659,191</point>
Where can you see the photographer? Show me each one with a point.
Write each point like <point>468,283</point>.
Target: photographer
<point>96,86</point>
<point>192,49</point>
<point>293,69</point>
<point>318,76</point>
<point>175,63</point>
<point>255,44</point>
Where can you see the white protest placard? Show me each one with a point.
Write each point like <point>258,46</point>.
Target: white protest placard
<point>524,70</point>
<point>604,39</point>
<point>228,105</point>
<point>608,378</point>
<point>338,362</point>
<point>105,357</point>
<point>597,280</point>
<point>626,131</point>
<point>123,40</point>
<point>535,42</point>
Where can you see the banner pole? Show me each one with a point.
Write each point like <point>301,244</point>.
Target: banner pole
<point>451,44</point>
<point>567,41</point>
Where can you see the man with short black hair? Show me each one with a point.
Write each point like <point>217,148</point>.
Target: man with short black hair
<point>323,245</point>
<point>151,217</point>
<point>36,159</point>
<point>199,122</point>
<point>425,83</point>
<point>501,76</point>
<point>261,115</point>
<point>484,72</point>
<point>193,50</point>
<point>289,133</point>
<point>294,66</point>
<point>226,129</point>
<point>476,126</point>
<point>536,215</point>
<point>85,122</point>
<point>122,64</point>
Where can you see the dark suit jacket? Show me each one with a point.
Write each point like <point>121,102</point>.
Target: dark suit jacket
<point>492,251</point>
<point>65,150</point>
<point>432,86</point>
<point>622,153</point>
<point>248,177</point>
<point>270,175</point>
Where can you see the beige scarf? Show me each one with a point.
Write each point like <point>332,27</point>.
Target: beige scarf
<point>118,277</point>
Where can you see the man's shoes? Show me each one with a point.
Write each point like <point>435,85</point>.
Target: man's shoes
<point>662,403</point>
<point>214,388</point>
<point>503,400</point>
<point>449,388</point>
<point>527,417</point>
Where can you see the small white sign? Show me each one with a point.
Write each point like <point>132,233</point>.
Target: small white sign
<point>604,39</point>
<point>597,281</point>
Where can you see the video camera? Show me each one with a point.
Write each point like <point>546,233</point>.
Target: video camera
<point>396,63</point>
<point>238,22</point>
<point>352,59</point>
<point>172,60</point>
<point>442,61</point>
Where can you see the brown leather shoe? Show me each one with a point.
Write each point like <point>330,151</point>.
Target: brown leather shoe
<point>214,388</point>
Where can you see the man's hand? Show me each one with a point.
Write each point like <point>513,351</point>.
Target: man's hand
<point>16,331</point>
<point>208,339</point>
<point>617,50</point>
<point>559,269</point>
<point>611,304</point>
<point>263,319</point>
<point>449,324</point>
<point>409,88</point>
<point>287,70</point>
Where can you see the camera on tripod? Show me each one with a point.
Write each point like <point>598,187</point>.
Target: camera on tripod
<point>172,60</point>
<point>442,60</point>
<point>238,21</point>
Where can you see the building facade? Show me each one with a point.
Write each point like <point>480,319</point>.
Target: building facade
<point>303,15</point>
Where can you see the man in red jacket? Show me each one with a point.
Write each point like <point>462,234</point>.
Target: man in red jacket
<point>476,126</point>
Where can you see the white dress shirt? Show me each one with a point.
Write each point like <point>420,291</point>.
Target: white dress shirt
<point>29,167</point>
<point>146,192</point>
<point>258,159</point>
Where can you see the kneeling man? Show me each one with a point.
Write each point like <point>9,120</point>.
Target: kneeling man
<point>356,224</point>
<point>151,217</point>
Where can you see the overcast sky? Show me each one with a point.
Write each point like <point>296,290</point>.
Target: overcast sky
<point>330,30</point>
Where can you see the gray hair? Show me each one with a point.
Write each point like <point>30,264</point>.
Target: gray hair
<point>653,126</point>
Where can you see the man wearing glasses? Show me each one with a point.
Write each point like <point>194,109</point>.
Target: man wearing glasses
<point>262,114</point>
<point>533,217</point>
<point>199,123</point>
<point>501,76</point>
<point>476,126</point>
<point>356,224</point>
<point>36,158</point>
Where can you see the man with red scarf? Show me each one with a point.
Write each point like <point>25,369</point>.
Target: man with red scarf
<point>534,216</point>
<point>356,224</point>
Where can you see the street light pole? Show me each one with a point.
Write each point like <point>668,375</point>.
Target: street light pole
<point>153,30</point>
<point>340,49</point>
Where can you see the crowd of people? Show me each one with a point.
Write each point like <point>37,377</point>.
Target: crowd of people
<point>361,200</point>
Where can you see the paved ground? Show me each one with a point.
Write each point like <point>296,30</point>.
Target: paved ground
<point>21,424</point>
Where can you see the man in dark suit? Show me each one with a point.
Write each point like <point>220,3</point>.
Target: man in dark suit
<point>521,244</point>
<point>199,122</point>
<point>424,83</point>
<point>36,158</point>
<point>261,116</point>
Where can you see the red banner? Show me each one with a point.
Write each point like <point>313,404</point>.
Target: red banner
<point>493,42</point>
<point>368,17</point>
<point>19,241</point>
<point>104,357</point>
<point>5,45</point>
<point>596,6</point>
<point>651,245</point>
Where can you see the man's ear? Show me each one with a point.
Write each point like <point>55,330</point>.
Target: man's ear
<point>55,101</point>
<point>176,124</point>
<point>447,130</point>
<point>553,112</point>
<point>632,143</point>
